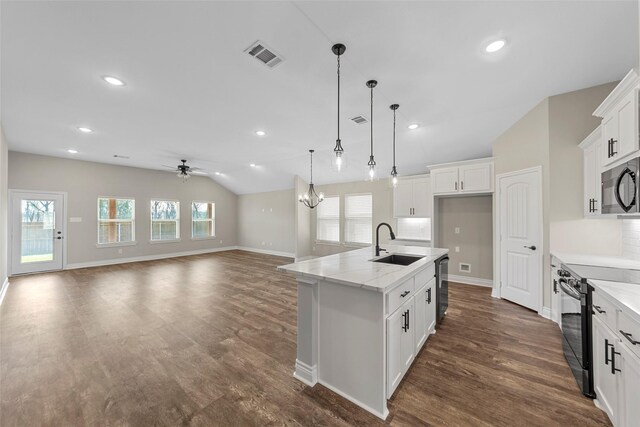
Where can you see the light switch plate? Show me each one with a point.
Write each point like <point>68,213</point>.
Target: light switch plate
<point>75,219</point>
<point>457,230</point>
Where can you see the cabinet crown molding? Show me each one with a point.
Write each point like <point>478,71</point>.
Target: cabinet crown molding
<point>593,138</point>
<point>460,163</point>
<point>629,82</point>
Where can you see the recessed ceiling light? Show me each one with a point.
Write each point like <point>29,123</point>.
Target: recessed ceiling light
<point>72,151</point>
<point>413,126</point>
<point>253,165</point>
<point>85,130</point>
<point>260,133</point>
<point>113,81</point>
<point>495,46</point>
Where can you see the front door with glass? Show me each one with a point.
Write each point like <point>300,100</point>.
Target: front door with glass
<point>37,232</point>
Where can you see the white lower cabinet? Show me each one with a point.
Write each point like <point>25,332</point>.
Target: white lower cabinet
<point>430,297</point>
<point>604,381</point>
<point>629,387</point>
<point>616,375</point>
<point>420,332</point>
<point>400,344</point>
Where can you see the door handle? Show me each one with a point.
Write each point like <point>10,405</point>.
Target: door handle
<point>404,294</point>
<point>555,286</point>
<point>58,238</point>
<point>600,310</point>
<point>429,296</point>
<point>533,248</point>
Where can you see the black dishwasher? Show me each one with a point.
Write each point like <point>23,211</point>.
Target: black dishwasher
<point>442,290</point>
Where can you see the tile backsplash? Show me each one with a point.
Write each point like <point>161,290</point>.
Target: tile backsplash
<point>631,238</point>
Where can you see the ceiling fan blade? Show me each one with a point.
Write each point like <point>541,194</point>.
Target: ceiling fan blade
<point>170,167</point>
<point>195,169</point>
<point>199,172</point>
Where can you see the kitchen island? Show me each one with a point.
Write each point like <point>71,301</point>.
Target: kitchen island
<point>361,323</point>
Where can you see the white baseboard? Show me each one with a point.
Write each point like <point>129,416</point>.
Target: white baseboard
<point>546,313</point>
<point>266,251</point>
<point>114,261</point>
<point>305,373</point>
<point>470,280</point>
<point>3,291</point>
<point>382,415</point>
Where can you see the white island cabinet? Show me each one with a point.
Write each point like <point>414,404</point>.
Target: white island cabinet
<point>362,323</point>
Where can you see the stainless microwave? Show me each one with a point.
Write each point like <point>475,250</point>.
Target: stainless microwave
<point>620,188</point>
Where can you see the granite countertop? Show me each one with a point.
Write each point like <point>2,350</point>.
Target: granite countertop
<point>627,295</point>
<point>354,268</point>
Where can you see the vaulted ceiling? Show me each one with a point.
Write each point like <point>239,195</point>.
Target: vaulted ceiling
<point>192,92</point>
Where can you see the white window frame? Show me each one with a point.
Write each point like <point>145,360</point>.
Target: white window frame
<point>212,220</point>
<point>346,219</point>
<point>339,219</point>
<point>151,221</point>
<point>100,221</point>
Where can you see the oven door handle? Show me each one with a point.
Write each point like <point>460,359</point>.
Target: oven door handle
<point>569,291</point>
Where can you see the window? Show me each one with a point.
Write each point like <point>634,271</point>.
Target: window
<point>203,220</point>
<point>116,220</point>
<point>414,228</point>
<point>358,210</point>
<point>165,220</point>
<point>328,220</point>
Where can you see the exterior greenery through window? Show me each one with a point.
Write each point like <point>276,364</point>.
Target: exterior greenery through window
<point>165,220</point>
<point>358,213</point>
<point>328,220</point>
<point>116,220</point>
<point>203,220</point>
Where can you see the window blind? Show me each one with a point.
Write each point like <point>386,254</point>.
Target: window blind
<point>328,220</point>
<point>358,212</point>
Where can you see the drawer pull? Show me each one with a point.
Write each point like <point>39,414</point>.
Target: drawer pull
<point>404,294</point>
<point>599,309</point>
<point>629,337</point>
<point>606,351</point>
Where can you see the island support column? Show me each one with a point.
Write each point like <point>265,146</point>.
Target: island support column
<point>307,356</point>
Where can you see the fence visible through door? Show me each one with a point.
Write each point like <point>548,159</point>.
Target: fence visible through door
<point>37,231</point>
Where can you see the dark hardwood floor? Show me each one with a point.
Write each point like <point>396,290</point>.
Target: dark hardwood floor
<point>211,340</point>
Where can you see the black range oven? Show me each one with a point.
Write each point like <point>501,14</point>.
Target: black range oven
<point>575,305</point>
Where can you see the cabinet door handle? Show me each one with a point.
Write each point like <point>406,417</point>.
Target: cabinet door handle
<point>606,351</point>
<point>595,208</point>
<point>613,152</point>
<point>407,320</point>
<point>404,294</point>
<point>555,286</point>
<point>613,360</point>
<point>429,296</point>
<point>461,185</point>
<point>600,310</point>
<point>609,153</point>
<point>456,185</point>
<point>629,337</point>
<point>404,321</point>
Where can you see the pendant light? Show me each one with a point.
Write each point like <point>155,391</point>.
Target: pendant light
<point>311,199</point>
<point>394,171</point>
<point>372,163</point>
<point>339,160</point>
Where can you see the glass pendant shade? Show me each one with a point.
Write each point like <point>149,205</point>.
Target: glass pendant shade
<point>338,158</point>
<point>372,162</point>
<point>311,199</point>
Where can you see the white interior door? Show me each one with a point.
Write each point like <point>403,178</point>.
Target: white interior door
<point>520,238</point>
<point>37,231</point>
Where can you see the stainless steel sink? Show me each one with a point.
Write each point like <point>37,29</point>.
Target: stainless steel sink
<point>398,259</point>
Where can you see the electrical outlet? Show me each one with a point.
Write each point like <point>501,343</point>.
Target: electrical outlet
<point>457,230</point>
<point>120,251</point>
<point>221,241</point>
<point>457,248</point>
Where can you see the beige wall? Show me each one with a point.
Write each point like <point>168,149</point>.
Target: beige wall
<point>302,226</point>
<point>266,221</point>
<point>548,136</point>
<point>570,121</point>
<point>382,211</point>
<point>474,217</point>
<point>4,153</point>
<point>86,181</point>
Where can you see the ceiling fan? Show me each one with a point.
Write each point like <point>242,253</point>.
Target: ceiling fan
<point>185,171</point>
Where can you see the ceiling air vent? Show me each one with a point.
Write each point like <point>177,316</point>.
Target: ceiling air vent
<point>359,119</point>
<point>266,55</point>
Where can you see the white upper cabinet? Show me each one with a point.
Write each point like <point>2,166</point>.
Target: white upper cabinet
<point>592,146</point>
<point>620,122</point>
<point>472,177</point>
<point>412,198</point>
